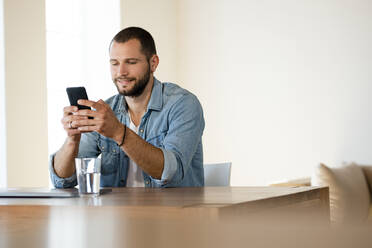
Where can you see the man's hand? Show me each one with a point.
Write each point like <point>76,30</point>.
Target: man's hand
<point>64,160</point>
<point>69,116</point>
<point>104,120</point>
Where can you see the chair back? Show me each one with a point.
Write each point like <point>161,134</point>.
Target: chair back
<point>217,174</point>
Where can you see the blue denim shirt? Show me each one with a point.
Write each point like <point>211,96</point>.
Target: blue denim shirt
<point>173,122</point>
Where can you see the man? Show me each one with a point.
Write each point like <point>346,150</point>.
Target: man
<point>150,134</point>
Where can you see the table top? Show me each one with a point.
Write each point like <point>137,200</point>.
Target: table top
<point>169,197</point>
<point>146,217</point>
<point>143,217</point>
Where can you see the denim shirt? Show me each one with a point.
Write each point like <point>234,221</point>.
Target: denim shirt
<point>173,122</point>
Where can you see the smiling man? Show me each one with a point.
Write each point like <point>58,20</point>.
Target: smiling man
<point>149,135</point>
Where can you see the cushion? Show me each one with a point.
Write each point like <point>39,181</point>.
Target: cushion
<point>367,170</point>
<point>348,192</point>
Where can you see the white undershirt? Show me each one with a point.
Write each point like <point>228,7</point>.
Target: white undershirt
<point>135,177</point>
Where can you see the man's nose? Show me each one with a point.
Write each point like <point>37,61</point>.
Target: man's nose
<point>123,70</point>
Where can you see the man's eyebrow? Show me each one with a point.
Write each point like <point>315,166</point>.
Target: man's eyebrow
<point>132,59</point>
<point>126,59</point>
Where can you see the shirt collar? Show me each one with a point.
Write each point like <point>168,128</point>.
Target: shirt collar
<point>156,98</point>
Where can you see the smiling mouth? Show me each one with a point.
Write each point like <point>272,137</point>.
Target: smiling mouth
<point>124,81</point>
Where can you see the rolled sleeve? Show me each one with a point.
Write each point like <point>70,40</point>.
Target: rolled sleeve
<point>169,170</point>
<point>181,142</point>
<point>87,148</point>
<point>170,165</point>
<point>60,182</point>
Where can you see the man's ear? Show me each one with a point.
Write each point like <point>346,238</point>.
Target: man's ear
<point>154,61</point>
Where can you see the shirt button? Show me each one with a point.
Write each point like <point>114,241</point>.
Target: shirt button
<point>141,130</point>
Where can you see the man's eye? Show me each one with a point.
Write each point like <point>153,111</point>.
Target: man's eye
<point>132,62</point>
<point>114,63</point>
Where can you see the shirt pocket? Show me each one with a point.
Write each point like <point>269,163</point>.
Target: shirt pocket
<point>110,155</point>
<point>157,139</point>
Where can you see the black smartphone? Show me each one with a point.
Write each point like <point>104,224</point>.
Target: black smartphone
<point>76,93</point>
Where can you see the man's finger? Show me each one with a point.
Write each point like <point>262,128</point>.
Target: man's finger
<point>86,113</point>
<point>80,123</point>
<point>69,109</point>
<point>70,118</point>
<point>89,103</point>
<point>87,129</point>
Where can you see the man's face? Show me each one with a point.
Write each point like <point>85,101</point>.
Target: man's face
<point>130,69</point>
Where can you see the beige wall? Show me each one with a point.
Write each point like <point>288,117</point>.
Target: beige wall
<point>284,84</point>
<point>25,83</point>
<point>3,173</point>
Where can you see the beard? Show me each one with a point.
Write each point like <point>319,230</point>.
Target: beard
<point>138,87</point>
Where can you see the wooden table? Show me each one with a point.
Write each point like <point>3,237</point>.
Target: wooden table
<point>125,213</point>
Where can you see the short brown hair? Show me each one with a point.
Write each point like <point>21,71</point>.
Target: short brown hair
<point>147,42</point>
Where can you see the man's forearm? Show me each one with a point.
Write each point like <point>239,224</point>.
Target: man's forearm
<point>64,160</point>
<point>145,155</point>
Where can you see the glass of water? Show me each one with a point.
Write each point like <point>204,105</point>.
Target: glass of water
<point>88,172</point>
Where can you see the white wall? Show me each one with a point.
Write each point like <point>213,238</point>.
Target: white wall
<point>3,177</point>
<point>25,83</point>
<point>284,84</point>
<point>78,37</point>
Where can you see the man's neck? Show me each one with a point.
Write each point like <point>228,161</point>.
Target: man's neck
<point>137,105</point>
